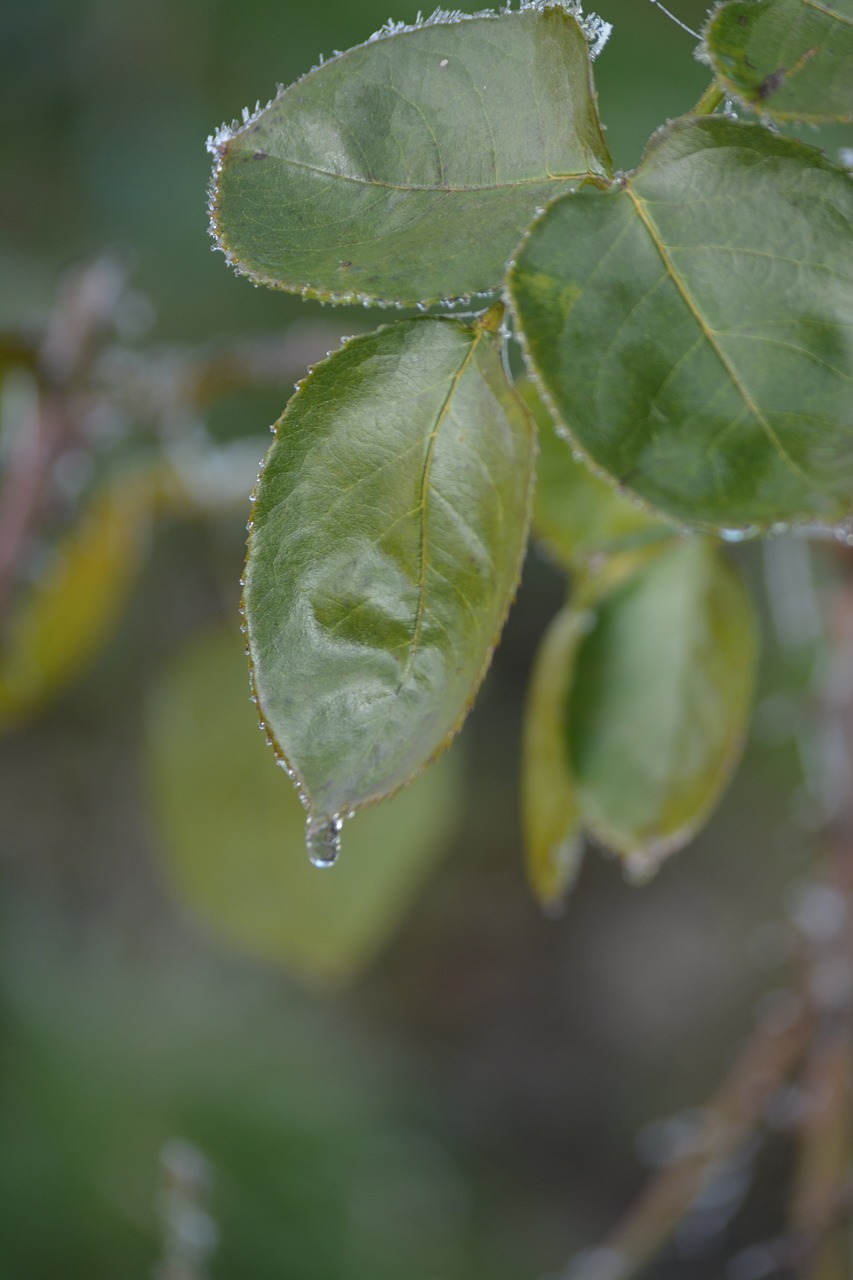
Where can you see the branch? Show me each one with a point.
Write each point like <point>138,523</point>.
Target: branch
<point>770,1055</point>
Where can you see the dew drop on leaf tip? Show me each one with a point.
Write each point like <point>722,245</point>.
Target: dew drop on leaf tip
<point>323,840</point>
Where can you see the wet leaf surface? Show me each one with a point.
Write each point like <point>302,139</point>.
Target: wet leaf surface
<point>388,530</point>
<point>787,59</point>
<point>704,313</point>
<point>406,169</point>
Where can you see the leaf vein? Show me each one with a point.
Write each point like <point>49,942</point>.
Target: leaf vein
<point>711,337</point>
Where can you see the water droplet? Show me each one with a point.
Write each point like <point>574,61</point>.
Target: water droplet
<point>739,535</point>
<point>323,840</point>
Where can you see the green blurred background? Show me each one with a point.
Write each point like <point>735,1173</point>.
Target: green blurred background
<point>210,1053</point>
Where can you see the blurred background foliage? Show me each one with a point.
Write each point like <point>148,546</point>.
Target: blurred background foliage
<point>214,1059</point>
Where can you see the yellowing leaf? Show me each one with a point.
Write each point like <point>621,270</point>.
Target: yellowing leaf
<point>64,617</point>
<point>550,811</point>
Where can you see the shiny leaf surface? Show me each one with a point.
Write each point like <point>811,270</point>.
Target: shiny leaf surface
<point>789,59</point>
<point>388,530</point>
<point>406,169</point>
<point>233,831</point>
<point>659,702</point>
<point>693,326</point>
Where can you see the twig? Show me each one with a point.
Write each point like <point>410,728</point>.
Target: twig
<point>816,1250</point>
<point>769,1056</point>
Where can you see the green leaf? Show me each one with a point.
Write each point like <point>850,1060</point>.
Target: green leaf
<point>60,622</point>
<point>660,700</point>
<point>233,830</point>
<point>578,517</point>
<point>789,59</point>
<point>406,169</point>
<point>388,529</point>
<point>550,812</point>
<point>693,326</point>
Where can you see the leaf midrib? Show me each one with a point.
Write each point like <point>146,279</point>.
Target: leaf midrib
<point>830,13</point>
<point>423,503</point>
<point>442,189</point>
<point>708,333</point>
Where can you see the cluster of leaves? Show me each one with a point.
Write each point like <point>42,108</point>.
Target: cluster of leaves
<point>688,326</point>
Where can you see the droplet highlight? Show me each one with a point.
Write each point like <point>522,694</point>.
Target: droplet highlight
<point>323,840</point>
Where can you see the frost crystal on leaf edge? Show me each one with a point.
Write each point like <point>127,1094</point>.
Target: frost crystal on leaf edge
<point>595,29</point>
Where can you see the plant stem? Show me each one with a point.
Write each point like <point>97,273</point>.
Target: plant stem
<point>771,1053</point>
<point>710,100</point>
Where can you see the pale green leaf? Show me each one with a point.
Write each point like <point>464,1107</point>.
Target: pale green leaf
<point>388,529</point>
<point>406,169</point>
<point>789,59</point>
<point>61,620</point>
<point>550,813</point>
<point>577,516</point>
<point>659,702</point>
<point>693,325</point>
<point>232,830</point>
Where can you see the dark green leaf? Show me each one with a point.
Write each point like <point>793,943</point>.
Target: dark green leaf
<point>233,830</point>
<point>659,702</point>
<point>406,169</point>
<point>693,326</point>
<point>578,517</point>
<point>789,59</point>
<point>389,525</point>
<point>550,812</point>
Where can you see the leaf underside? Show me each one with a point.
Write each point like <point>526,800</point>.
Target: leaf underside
<point>788,59</point>
<point>659,701</point>
<point>693,326</point>
<point>406,169</point>
<point>388,529</point>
